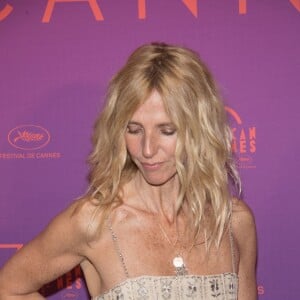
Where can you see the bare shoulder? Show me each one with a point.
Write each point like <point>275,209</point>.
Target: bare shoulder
<point>71,227</point>
<point>85,215</point>
<point>243,220</point>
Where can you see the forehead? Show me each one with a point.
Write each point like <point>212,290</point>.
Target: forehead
<point>152,109</point>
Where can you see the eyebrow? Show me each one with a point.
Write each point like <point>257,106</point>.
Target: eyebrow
<point>167,124</point>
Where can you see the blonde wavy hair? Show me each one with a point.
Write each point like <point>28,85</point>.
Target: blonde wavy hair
<point>204,160</point>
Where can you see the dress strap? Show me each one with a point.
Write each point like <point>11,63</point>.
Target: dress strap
<point>233,257</point>
<point>118,250</point>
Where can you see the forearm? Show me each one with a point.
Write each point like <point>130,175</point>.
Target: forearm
<point>14,285</point>
<point>32,296</point>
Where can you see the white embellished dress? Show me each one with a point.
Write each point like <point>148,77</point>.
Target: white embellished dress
<point>222,286</point>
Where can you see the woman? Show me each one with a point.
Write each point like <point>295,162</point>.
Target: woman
<point>158,221</point>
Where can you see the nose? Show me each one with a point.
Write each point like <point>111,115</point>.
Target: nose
<point>150,145</point>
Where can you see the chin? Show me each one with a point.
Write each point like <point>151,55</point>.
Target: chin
<point>158,181</point>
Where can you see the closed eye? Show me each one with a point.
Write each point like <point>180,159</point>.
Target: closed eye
<point>168,132</point>
<point>167,129</point>
<point>134,129</point>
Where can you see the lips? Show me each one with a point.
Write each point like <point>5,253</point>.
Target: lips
<point>151,166</point>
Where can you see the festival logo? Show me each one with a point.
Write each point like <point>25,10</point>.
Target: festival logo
<point>28,140</point>
<point>191,5</point>
<point>69,295</point>
<point>28,137</point>
<point>11,246</point>
<point>70,285</point>
<point>244,140</point>
<point>260,290</point>
<point>5,12</point>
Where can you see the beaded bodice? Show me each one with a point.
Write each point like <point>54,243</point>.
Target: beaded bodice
<point>200,287</point>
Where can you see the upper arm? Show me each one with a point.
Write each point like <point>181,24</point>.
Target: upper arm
<point>56,250</point>
<point>244,230</point>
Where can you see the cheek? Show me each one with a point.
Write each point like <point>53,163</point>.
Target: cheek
<point>132,146</point>
<point>171,148</point>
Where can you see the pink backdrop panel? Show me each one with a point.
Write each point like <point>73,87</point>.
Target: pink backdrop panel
<point>56,58</point>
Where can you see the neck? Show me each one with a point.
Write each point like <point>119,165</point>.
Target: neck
<point>159,200</point>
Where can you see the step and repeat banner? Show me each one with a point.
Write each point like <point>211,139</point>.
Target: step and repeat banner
<point>56,59</point>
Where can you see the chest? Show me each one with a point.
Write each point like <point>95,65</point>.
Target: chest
<point>133,252</point>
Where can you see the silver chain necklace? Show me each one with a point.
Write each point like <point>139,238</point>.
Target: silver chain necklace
<point>177,261</point>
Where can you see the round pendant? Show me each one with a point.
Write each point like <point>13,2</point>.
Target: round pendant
<point>178,262</point>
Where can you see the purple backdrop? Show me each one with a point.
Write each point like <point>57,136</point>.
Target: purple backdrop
<point>55,62</point>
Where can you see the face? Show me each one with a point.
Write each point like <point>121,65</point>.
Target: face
<point>151,141</point>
